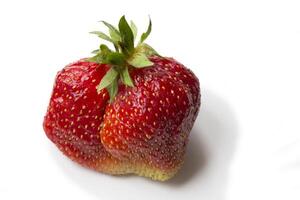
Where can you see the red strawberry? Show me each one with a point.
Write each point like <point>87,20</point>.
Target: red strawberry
<point>75,113</point>
<point>137,120</point>
<point>148,125</point>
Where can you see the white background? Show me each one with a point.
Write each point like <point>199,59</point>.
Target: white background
<point>246,141</point>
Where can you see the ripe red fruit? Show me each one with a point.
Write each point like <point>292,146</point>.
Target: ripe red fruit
<point>75,113</point>
<point>148,125</point>
<point>139,124</point>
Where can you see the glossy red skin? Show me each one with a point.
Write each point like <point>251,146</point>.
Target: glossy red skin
<point>151,130</point>
<point>76,111</point>
<point>150,122</point>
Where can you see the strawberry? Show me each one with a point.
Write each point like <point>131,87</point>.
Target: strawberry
<point>124,111</point>
<point>75,113</point>
<point>148,125</point>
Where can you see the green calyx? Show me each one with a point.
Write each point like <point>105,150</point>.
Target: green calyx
<point>125,57</point>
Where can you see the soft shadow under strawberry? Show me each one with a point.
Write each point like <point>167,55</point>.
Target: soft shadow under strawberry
<point>211,148</point>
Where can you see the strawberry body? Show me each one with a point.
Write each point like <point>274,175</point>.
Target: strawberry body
<point>144,131</point>
<point>75,113</point>
<point>148,125</point>
<point>124,111</point>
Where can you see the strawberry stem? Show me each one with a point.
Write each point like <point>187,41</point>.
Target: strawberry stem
<point>125,56</point>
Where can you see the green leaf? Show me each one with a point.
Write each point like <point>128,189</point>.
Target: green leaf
<point>146,49</point>
<point>113,90</point>
<point>146,34</point>
<point>139,60</point>
<point>115,58</point>
<point>126,36</point>
<point>102,35</point>
<point>96,59</point>
<point>114,36</point>
<point>124,56</point>
<point>108,79</point>
<point>105,49</point>
<point>126,79</point>
<point>113,32</point>
<point>133,28</point>
<point>111,27</point>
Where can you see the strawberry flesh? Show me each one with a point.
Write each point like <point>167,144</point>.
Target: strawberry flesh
<point>143,131</point>
<point>75,113</point>
<point>148,125</point>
